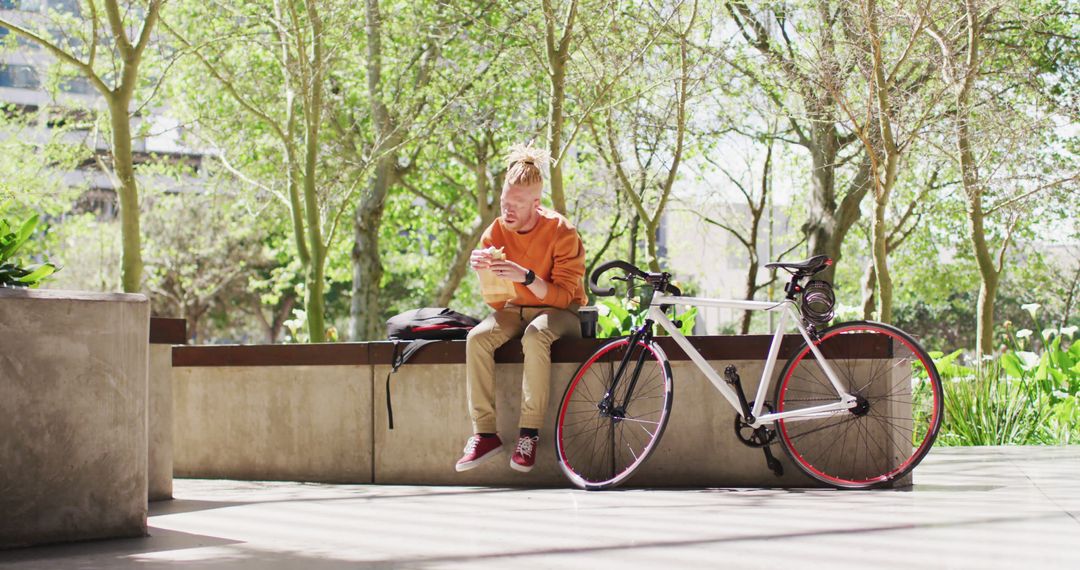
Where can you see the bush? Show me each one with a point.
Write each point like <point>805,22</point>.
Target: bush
<point>1023,397</point>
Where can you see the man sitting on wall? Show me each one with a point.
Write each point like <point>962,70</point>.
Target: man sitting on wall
<point>545,260</point>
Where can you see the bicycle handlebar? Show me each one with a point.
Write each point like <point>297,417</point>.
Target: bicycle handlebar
<point>604,268</point>
<point>654,279</point>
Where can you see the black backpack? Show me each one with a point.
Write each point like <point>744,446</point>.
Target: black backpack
<point>430,323</point>
<point>421,327</point>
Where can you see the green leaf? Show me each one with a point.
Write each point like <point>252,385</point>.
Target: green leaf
<point>1012,365</point>
<point>12,241</point>
<point>1042,372</point>
<point>37,273</point>
<point>27,228</point>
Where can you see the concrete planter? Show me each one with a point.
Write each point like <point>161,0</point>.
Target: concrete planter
<point>73,420</point>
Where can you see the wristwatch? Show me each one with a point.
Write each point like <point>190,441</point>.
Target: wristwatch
<point>529,278</point>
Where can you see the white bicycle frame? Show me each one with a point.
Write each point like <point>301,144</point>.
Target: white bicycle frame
<point>788,310</point>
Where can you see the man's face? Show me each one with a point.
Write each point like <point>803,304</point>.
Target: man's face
<point>519,204</point>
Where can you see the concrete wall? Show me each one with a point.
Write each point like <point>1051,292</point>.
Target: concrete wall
<point>301,423</point>
<point>160,460</point>
<point>273,412</point>
<point>73,423</point>
<point>431,425</point>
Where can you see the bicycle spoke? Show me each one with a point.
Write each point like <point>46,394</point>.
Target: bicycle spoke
<point>869,443</point>
<point>596,449</point>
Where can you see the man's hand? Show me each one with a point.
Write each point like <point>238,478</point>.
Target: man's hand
<point>508,270</point>
<point>480,259</point>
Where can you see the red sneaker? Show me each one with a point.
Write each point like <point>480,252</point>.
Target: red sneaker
<point>524,456</point>
<point>478,450</point>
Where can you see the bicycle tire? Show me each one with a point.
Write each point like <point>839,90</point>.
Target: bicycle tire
<point>597,450</point>
<point>866,446</point>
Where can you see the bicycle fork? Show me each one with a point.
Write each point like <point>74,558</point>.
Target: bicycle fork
<point>608,406</point>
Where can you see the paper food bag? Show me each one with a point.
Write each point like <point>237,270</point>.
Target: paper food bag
<point>495,289</point>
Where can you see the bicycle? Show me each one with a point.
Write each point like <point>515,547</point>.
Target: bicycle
<point>858,405</point>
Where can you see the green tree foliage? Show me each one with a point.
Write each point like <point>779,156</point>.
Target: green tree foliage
<point>391,119</point>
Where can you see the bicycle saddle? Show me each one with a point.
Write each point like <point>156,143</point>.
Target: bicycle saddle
<point>808,267</point>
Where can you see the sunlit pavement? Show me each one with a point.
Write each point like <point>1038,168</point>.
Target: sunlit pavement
<point>969,508</point>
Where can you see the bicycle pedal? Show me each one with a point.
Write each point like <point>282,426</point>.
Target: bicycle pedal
<point>773,463</point>
<point>731,375</point>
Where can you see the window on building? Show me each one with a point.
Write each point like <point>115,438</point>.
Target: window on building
<point>19,76</point>
<point>80,85</point>
<point>28,44</point>
<point>65,6</point>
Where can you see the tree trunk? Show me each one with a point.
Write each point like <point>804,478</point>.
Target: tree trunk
<point>881,266</point>
<point>366,322</point>
<point>558,54</point>
<point>365,313</point>
<point>316,283</point>
<point>555,126</point>
<point>969,175</point>
<point>821,228</point>
<point>314,303</point>
<point>460,266</point>
<point>984,328</point>
<point>488,211</point>
<point>821,217</point>
<point>756,211</point>
<point>131,265</point>
<point>751,288</point>
<point>651,237</point>
<point>869,287</point>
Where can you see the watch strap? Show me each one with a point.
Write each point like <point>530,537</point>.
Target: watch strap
<point>529,278</point>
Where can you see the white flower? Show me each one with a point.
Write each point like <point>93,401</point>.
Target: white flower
<point>1047,333</point>
<point>1029,359</point>
<point>1069,331</point>
<point>1023,333</point>
<point>1031,308</point>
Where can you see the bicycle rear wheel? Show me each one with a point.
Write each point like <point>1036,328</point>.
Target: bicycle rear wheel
<point>894,423</point>
<point>601,442</point>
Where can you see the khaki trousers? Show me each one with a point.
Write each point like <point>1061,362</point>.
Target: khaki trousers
<point>538,327</point>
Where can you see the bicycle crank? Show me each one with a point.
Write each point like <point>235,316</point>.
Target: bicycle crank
<point>760,437</point>
<point>751,436</point>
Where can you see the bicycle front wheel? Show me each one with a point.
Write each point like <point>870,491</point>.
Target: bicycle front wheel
<point>897,414</point>
<point>601,440</point>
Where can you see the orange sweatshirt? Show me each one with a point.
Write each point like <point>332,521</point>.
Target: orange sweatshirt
<point>553,250</point>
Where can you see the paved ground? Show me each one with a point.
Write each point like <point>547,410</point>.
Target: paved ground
<point>970,508</point>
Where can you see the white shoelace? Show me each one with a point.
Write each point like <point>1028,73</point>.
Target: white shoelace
<point>526,445</point>
<point>470,445</point>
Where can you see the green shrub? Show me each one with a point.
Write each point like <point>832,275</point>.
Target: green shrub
<point>1022,397</point>
<point>618,316</point>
